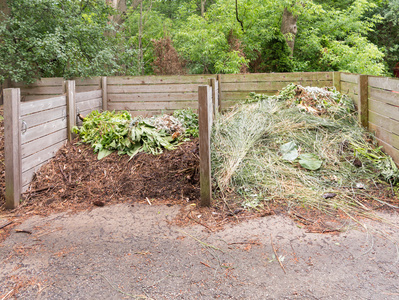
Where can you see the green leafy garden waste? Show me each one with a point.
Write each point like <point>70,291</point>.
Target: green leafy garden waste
<point>298,146</point>
<point>113,131</point>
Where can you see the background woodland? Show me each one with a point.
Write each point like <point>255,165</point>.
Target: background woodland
<point>83,38</point>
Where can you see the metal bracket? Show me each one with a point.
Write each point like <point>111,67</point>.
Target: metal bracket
<point>24,127</point>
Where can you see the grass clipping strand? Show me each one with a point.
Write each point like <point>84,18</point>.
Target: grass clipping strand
<point>297,146</point>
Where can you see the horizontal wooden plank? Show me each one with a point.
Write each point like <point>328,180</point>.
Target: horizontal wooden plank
<point>388,149</point>
<point>87,81</point>
<point>44,116</point>
<point>55,81</point>
<point>350,78</point>
<point>32,147</point>
<point>42,90</point>
<point>267,86</point>
<point>84,96</point>
<point>43,157</point>
<point>86,105</point>
<point>40,157</point>
<point>384,135</point>
<point>153,97</point>
<point>384,96</point>
<point>348,87</point>
<point>42,130</point>
<point>228,96</point>
<point>86,88</point>
<point>169,79</point>
<point>35,106</point>
<point>285,77</point>
<point>384,109</point>
<point>384,83</point>
<point>384,122</point>
<point>159,88</point>
<point>27,98</point>
<point>151,106</point>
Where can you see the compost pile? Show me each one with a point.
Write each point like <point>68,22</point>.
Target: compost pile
<point>302,150</point>
<point>96,172</point>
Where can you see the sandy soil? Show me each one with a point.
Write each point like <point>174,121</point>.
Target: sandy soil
<point>135,251</point>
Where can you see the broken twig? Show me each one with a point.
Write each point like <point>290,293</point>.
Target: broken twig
<point>275,253</point>
<point>5,224</point>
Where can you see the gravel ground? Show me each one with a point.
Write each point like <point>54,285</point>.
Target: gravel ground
<point>136,252</point>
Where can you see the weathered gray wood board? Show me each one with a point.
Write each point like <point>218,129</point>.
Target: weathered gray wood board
<point>236,87</point>
<point>43,132</point>
<point>383,107</point>
<point>205,114</point>
<point>350,86</point>
<point>50,87</point>
<point>12,147</point>
<point>151,95</point>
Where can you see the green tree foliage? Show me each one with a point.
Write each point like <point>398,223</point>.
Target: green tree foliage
<point>47,38</point>
<point>76,37</point>
<point>386,32</point>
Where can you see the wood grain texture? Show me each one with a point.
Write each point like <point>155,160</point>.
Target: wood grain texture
<point>48,140</point>
<point>205,123</point>
<point>85,96</point>
<point>386,83</point>
<point>12,148</point>
<point>389,138</point>
<point>153,97</point>
<point>387,110</point>
<point>159,88</point>
<point>40,157</point>
<point>89,105</point>
<point>169,79</point>
<point>71,107</point>
<point>152,105</point>
<point>104,89</point>
<point>351,78</point>
<point>363,100</point>
<point>337,81</point>
<point>38,118</point>
<point>35,106</point>
<point>32,133</point>
<point>384,122</point>
<point>385,96</point>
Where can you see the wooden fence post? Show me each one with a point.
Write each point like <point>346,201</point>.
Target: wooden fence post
<point>104,92</point>
<point>363,108</point>
<point>71,107</point>
<point>337,81</point>
<point>205,124</point>
<point>12,147</point>
<point>213,83</point>
<point>219,80</point>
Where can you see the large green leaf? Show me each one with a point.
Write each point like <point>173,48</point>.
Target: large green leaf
<point>310,161</point>
<point>289,151</point>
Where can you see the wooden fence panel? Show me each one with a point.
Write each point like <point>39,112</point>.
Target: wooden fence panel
<point>43,132</point>
<point>236,87</point>
<point>350,86</point>
<point>384,113</point>
<point>151,95</point>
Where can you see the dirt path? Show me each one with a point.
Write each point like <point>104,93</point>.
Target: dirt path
<point>133,252</point>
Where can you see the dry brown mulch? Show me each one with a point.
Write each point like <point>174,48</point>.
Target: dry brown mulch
<point>75,179</point>
<point>2,166</point>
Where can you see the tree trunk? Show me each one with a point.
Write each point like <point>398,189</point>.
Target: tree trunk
<point>140,58</point>
<point>4,8</point>
<point>121,7</point>
<point>203,7</point>
<point>289,29</point>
